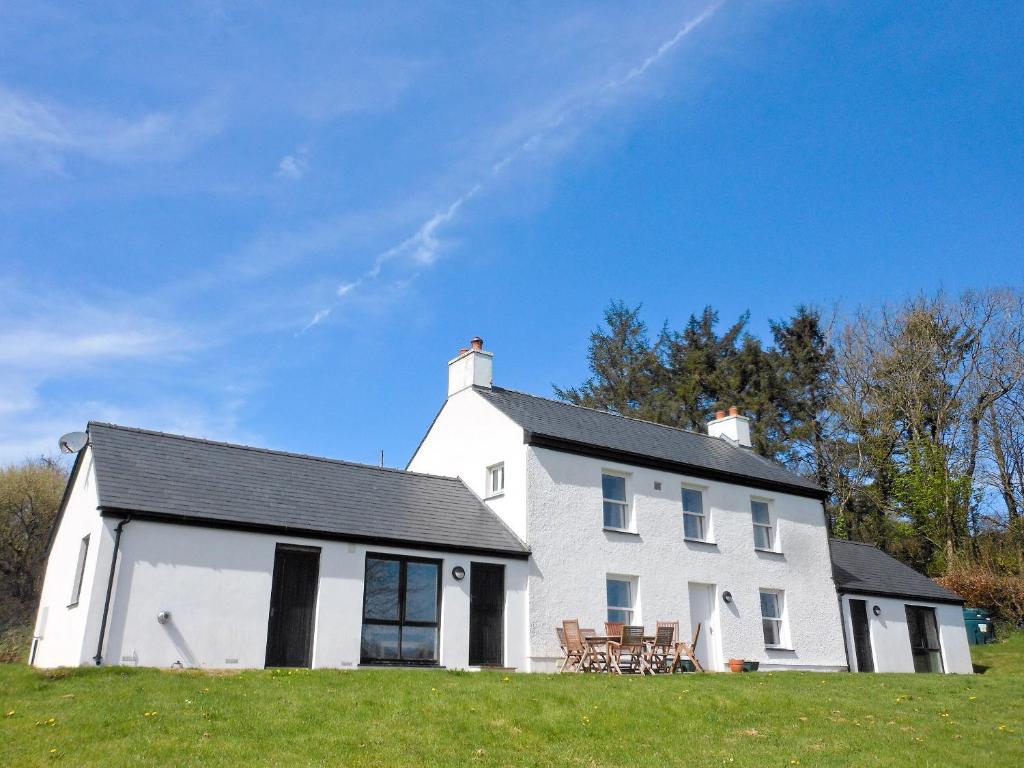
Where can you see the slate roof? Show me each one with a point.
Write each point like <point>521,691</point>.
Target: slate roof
<point>188,480</point>
<point>863,568</point>
<point>688,452</point>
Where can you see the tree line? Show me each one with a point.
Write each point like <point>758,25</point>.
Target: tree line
<point>909,414</point>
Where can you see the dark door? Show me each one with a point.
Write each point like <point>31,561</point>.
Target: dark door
<point>292,604</point>
<point>861,636</point>
<point>486,614</point>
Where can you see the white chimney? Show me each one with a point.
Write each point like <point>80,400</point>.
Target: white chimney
<point>472,368</point>
<point>732,426</point>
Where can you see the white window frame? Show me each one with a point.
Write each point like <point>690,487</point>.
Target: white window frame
<point>627,506</point>
<point>705,513</point>
<point>770,526</point>
<point>76,587</point>
<point>779,621</point>
<point>632,610</point>
<point>492,471</point>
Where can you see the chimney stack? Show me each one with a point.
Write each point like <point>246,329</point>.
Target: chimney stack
<point>733,426</point>
<point>472,367</point>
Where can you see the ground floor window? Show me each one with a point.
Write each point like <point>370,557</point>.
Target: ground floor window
<point>771,616</point>
<point>924,639</point>
<point>621,599</point>
<point>401,610</point>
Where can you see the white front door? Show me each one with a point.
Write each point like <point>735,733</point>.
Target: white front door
<point>703,611</point>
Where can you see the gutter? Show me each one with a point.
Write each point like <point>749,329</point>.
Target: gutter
<point>98,658</point>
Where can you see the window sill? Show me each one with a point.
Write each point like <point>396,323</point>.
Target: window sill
<point>762,551</point>
<point>73,605</point>
<point>497,495</point>
<point>401,664</point>
<point>704,542</point>
<point>624,531</point>
<point>779,648</point>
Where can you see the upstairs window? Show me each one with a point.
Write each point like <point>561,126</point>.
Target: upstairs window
<point>616,508</point>
<point>764,535</point>
<point>694,520</point>
<point>76,589</point>
<point>496,479</point>
<point>621,597</point>
<point>771,617</point>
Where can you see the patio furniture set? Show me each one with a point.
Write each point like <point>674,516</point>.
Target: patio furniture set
<point>626,649</point>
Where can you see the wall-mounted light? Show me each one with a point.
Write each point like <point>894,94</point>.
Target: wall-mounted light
<point>163,617</point>
<point>727,596</point>
<point>458,573</point>
<point>877,610</point>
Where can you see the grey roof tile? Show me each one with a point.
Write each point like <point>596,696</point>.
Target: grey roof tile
<point>600,429</point>
<point>858,567</point>
<point>192,480</point>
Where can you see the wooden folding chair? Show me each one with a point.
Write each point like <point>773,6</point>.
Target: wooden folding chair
<point>614,628</point>
<point>687,650</point>
<point>659,653</point>
<point>631,644</point>
<point>572,644</point>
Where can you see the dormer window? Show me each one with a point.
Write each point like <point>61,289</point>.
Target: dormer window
<point>616,508</point>
<point>496,479</point>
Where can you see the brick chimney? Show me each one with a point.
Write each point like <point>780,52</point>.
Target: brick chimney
<point>731,425</point>
<point>472,367</point>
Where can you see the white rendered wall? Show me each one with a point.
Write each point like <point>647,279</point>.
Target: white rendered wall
<point>216,585</point>
<point>890,638</point>
<point>571,555</point>
<point>469,435</point>
<point>66,634</point>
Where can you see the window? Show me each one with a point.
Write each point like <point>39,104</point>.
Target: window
<point>771,617</point>
<point>621,594</point>
<point>76,590</point>
<point>616,509</point>
<point>401,610</point>
<point>694,520</point>
<point>924,639</point>
<point>496,479</point>
<point>763,534</point>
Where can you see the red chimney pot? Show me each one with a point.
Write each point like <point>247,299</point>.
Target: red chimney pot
<point>734,411</point>
<point>463,351</point>
<point>719,414</point>
<point>477,343</point>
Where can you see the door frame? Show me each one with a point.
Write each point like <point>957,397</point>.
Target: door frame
<point>308,550</point>
<point>857,650</point>
<point>709,628</point>
<point>501,622</point>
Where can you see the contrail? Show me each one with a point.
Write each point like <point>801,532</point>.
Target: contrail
<point>424,243</point>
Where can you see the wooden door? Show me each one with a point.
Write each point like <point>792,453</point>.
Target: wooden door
<point>292,606</point>
<point>486,614</point>
<point>861,636</point>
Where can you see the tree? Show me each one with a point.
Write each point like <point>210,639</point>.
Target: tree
<point>30,495</point>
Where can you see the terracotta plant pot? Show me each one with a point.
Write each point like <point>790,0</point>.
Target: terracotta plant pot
<point>736,665</point>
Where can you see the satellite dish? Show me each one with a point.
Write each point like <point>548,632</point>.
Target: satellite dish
<point>73,442</point>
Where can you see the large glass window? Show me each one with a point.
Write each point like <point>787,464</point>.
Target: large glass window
<point>924,639</point>
<point>771,617</point>
<point>621,594</point>
<point>401,610</point>
<point>616,508</point>
<point>76,589</point>
<point>764,535</point>
<point>694,519</point>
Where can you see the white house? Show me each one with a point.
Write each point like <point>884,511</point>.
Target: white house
<point>516,512</point>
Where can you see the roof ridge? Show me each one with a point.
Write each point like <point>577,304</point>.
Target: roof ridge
<point>862,543</point>
<point>607,413</point>
<point>269,451</point>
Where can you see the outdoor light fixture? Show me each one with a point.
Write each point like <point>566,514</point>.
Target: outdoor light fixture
<point>877,610</point>
<point>459,573</point>
<point>163,617</point>
<point>727,596</point>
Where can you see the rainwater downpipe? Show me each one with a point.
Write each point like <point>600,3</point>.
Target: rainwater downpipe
<point>98,658</point>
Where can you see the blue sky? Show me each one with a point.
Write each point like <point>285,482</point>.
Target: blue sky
<point>274,225</point>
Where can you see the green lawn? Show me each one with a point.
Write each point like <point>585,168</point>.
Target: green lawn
<point>114,717</point>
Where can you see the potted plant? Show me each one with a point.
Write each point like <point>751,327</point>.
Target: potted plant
<point>736,665</point>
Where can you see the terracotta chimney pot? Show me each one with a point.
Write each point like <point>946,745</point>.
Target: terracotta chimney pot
<point>734,411</point>
<point>476,342</point>
<point>719,414</point>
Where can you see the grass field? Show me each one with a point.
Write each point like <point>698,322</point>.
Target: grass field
<point>120,717</point>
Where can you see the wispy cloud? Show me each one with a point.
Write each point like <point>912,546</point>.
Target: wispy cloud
<point>295,165</point>
<point>423,247</point>
<point>43,132</point>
